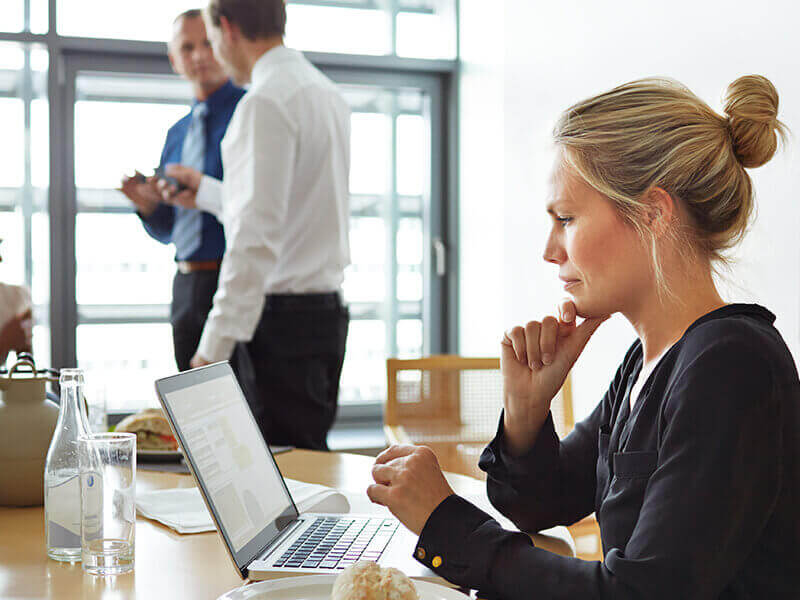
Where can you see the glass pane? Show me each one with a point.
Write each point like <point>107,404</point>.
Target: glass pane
<point>412,155</point>
<point>364,371</point>
<point>425,29</point>
<point>13,19</point>
<point>118,263</point>
<point>338,29</point>
<point>427,34</point>
<point>365,278</point>
<point>40,147</point>
<point>12,124</point>
<point>24,222</point>
<point>12,228</point>
<point>409,284</point>
<point>143,129</point>
<point>40,284</point>
<point>41,346</point>
<point>370,153</point>
<point>13,16</point>
<point>409,338</point>
<point>386,279</point>
<point>149,20</point>
<point>409,242</point>
<point>122,361</point>
<point>40,14</point>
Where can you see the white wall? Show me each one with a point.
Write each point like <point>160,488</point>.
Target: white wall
<point>481,210</point>
<point>559,52</point>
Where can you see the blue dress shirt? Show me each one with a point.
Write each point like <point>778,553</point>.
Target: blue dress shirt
<point>221,105</point>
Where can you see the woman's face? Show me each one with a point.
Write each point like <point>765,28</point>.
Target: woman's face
<point>603,263</point>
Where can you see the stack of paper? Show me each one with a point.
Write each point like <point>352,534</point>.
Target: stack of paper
<point>183,509</point>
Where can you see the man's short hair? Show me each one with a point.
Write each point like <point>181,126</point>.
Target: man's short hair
<point>256,18</point>
<point>192,13</point>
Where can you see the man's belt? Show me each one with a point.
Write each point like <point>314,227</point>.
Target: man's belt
<point>192,266</point>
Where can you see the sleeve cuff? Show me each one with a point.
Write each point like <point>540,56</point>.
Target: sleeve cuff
<point>529,467</point>
<point>209,196</point>
<point>214,348</point>
<point>458,542</point>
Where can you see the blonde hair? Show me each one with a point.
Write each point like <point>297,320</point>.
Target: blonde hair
<point>656,133</point>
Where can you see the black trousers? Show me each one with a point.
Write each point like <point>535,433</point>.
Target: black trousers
<point>290,369</point>
<point>192,296</point>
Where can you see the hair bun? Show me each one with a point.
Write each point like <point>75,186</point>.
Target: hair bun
<point>751,103</point>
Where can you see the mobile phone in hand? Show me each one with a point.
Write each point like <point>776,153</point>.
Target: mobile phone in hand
<point>161,174</point>
<point>139,178</point>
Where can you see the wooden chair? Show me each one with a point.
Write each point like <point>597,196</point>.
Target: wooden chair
<point>452,404</point>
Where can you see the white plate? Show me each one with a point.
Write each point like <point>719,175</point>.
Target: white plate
<point>319,587</point>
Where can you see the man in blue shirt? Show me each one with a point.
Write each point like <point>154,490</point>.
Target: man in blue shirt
<point>193,141</point>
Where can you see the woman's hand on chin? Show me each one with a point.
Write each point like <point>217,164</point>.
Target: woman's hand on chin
<point>410,483</point>
<point>534,361</point>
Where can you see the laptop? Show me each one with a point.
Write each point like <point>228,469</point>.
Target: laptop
<point>248,499</point>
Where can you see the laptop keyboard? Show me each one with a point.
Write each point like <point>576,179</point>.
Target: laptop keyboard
<point>336,543</point>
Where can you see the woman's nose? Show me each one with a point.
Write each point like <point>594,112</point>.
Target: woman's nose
<point>553,250</point>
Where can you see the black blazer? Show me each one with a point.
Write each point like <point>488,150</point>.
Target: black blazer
<point>695,491</point>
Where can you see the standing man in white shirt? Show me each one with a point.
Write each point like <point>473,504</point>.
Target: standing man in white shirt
<point>284,207</point>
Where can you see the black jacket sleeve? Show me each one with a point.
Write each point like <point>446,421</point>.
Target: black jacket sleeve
<point>705,504</point>
<point>554,483</point>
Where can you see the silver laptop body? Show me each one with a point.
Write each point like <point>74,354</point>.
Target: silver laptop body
<point>248,499</point>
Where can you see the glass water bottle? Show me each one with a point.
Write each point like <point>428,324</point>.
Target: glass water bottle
<point>62,497</point>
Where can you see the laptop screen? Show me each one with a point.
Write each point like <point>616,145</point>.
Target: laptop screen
<point>230,459</point>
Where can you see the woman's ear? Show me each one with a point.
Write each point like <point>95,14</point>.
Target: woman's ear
<point>661,210</point>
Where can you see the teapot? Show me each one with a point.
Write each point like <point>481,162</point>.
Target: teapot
<point>27,422</point>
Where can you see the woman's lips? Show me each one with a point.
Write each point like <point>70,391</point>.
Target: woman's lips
<point>570,283</point>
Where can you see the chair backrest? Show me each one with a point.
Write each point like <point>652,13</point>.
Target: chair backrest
<point>448,398</point>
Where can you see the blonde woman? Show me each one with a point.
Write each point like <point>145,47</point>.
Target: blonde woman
<point>691,461</point>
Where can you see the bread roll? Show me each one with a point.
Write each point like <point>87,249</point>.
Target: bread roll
<point>367,581</point>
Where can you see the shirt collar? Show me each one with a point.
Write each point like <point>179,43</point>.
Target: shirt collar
<point>268,60</point>
<point>220,98</point>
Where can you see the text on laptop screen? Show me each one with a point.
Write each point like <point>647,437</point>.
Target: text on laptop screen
<point>230,457</point>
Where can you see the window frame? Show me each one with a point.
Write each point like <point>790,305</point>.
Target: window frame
<point>69,55</point>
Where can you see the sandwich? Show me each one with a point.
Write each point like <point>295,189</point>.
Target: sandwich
<point>151,428</point>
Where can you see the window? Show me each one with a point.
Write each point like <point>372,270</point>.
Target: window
<point>116,98</point>
<point>123,277</point>
<point>413,28</point>
<point>24,225</point>
<point>24,15</point>
<point>390,188</point>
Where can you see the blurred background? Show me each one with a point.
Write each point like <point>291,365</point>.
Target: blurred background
<point>453,103</point>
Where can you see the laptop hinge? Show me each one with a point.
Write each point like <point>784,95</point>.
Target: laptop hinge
<point>278,540</point>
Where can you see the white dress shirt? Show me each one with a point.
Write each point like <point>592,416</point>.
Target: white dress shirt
<point>284,199</point>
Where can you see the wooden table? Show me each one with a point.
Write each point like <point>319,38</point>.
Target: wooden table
<point>170,565</point>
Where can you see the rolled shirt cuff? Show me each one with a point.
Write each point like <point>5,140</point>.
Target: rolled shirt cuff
<point>209,196</point>
<point>215,348</point>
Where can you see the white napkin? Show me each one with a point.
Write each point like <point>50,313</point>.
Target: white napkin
<point>183,509</point>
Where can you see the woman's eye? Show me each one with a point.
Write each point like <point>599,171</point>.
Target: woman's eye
<point>563,220</point>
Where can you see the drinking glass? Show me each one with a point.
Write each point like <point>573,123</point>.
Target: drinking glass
<point>97,409</point>
<point>108,502</point>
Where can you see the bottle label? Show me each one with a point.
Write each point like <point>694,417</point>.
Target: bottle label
<point>64,514</point>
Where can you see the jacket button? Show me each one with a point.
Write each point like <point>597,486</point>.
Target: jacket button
<point>421,553</point>
<point>437,561</point>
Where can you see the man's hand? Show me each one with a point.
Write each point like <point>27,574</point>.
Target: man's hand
<point>409,482</point>
<point>142,191</point>
<point>187,176</point>
<point>16,334</point>
<point>198,361</point>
